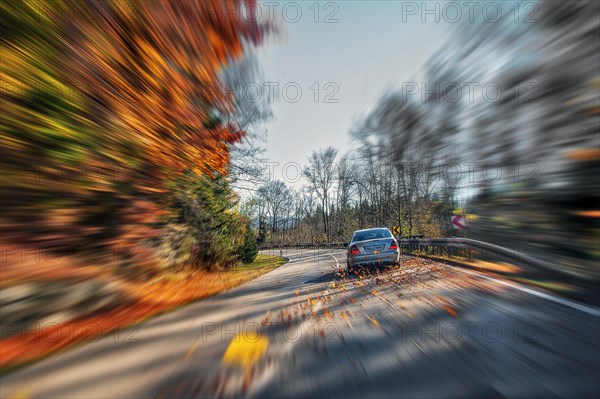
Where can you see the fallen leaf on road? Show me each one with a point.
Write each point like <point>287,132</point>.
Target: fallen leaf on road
<point>245,349</point>
<point>191,351</point>
<point>450,310</point>
<point>22,394</point>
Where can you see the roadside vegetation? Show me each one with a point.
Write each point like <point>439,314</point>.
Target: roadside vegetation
<point>522,165</point>
<point>121,142</point>
<point>123,304</point>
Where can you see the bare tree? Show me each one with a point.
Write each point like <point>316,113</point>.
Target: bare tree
<point>275,197</point>
<point>251,111</point>
<point>321,175</point>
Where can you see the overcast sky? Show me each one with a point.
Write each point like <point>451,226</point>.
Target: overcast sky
<point>365,53</point>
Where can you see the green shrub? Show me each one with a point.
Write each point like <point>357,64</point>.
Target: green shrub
<point>249,249</point>
<point>207,230</point>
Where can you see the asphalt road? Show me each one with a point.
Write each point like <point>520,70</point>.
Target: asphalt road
<point>421,330</point>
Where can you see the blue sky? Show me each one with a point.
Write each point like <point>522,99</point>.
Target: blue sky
<point>366,53</point>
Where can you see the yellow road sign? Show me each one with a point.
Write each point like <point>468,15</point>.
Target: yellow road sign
<point>396,230</point>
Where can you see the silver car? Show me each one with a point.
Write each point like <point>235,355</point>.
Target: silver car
<point>372,247</point>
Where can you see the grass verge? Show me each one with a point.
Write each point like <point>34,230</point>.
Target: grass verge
<point>145,300</point>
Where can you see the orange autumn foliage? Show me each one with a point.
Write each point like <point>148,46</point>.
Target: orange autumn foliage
<point>152,71</point>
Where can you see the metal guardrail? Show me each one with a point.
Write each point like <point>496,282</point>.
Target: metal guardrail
<point>473,249</point>
<point>330,245</point>
<point>339,245</point>
<point>459,248</point>
<point>460,251</point>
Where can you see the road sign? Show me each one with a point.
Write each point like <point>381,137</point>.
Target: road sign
<point>396,230</point>
<point>458,222</point>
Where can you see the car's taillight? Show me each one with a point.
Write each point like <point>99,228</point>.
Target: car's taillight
<point>393,246</point>
<point>354,250</point>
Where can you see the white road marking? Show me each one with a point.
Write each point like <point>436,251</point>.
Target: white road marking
<point>337,263</point>
<point>565,302</point>
<point>572,304</point>
<point>311,256</point>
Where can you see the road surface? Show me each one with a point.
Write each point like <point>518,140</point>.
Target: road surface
<point>421,330</point>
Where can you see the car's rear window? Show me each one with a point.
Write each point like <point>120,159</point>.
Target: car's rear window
<point>371,234</point>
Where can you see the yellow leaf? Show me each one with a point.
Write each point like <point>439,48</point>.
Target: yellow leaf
<point>245,349</point>
<point>191,351</point>
<point>22,394</point>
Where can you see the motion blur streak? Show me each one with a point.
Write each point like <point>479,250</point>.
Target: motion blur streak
<point>116,134</point>
<point>507,119</point>
<point>134,181</point>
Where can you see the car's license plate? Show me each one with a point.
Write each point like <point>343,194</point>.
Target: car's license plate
<point>375,252</point>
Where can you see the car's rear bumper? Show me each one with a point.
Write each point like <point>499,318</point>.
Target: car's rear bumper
<point>373,259</point>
